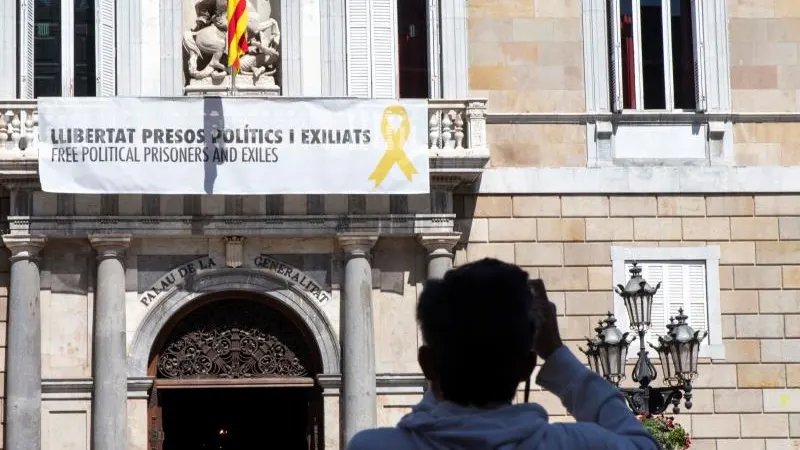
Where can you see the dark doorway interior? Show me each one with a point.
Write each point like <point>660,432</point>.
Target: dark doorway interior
<point>235,418</point>
<point>413,42</point>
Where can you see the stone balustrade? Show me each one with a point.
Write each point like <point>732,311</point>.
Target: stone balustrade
<point>19,129</point>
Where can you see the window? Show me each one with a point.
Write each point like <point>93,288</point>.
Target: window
<point>64,48</point>
<point>388,49</point>
<point>689,279</point>
<point>656,55</point>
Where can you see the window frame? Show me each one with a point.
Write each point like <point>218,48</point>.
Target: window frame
<point>447,47</point>
<point>105,48</point>
<point>614,26</point>
<point>598,64</point>
<point>710,255</point>
<point>601,145</point>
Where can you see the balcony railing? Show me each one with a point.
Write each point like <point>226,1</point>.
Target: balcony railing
<point>19,129</point>
<point>456,132</point>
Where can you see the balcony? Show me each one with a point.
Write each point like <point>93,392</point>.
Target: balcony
<point>456,140</point>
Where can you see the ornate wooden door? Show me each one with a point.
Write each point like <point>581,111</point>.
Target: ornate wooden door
<point>155,438</point>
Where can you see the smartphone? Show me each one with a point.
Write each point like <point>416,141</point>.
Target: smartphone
<point>539,293</point>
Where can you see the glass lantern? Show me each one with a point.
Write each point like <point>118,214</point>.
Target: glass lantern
<point>667,367</point>
<point>684,347</point>
<point>612,349</point>
<point>638,298</point>
<point>592,355</point>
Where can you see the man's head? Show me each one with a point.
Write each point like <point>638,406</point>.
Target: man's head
<point>478,332</point>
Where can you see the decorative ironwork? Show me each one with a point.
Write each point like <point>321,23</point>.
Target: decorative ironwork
<point>234,339</point>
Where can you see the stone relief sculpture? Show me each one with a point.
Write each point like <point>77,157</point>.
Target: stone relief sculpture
<point>206,53</point>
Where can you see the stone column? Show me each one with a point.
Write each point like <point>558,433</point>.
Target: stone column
<point>110,396</point>
<point>23,427</point>
<point>359,405</point>
<point>440,252</point>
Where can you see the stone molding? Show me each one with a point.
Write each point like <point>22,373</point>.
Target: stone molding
<point>300,302</point>
<point>357,245</point>
<point>24,247</point>
<point>138,387</point>
<point>638,180</point>
<point>386,383</point>
<point>439,244</point>
<point>110,246</point>
<point>395,225</point>
<point>82,388</point>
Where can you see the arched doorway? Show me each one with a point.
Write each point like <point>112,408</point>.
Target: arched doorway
<point>235,370</point>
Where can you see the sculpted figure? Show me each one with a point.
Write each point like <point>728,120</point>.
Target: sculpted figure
<point>206,44</point>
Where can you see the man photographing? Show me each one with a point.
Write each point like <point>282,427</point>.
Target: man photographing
<point>483,329</point>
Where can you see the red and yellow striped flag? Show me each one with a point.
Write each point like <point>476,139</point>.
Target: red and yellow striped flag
<point>237,32</point>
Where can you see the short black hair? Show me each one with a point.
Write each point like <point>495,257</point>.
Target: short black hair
<point>477,324</point>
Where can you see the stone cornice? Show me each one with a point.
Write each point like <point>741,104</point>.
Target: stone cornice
<point>396,225</point>
<point>24,246</point>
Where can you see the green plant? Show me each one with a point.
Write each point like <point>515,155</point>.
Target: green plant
<point>667,432</point>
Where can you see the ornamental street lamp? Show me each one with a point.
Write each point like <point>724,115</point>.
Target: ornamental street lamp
<point>678,351</point>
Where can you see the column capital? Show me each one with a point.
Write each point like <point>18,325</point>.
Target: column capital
<point>356,244</point>
<point>24,246</point>
<point>110,245</point>
<point>439,243</point>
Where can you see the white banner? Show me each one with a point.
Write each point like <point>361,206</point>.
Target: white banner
<point>233,146</point>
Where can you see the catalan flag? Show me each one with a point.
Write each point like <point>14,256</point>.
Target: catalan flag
<point>237,32</point>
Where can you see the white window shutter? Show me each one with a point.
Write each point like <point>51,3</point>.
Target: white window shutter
<point>699,54</point>
<point>26,34</point>
<point>105,48</point>
<point>615,62</point>
<point>384,49</point>
<point>696,300</point>
<point>359,48</point>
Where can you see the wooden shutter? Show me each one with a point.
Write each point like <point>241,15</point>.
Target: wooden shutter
<point>372,48</point>
<point>359,50</point>
<point>384,49</point>
<point>698,35</point>
<point>105,48</point>
<point>26,33</point>
<point>696,297</point>
<point>683,285</point>
<point>615,61</point>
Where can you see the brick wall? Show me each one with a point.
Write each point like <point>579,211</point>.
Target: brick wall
<point>751,400</point>
<point>765,54</point>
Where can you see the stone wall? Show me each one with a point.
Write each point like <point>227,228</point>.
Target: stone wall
<point>764,44</point>
<point>751,399</point>
<point>767,144</point>
<point>526,56</point>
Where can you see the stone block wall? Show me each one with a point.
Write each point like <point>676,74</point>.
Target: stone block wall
<point>765,55</point>
<point>767,144</point>
<point>751,399</point>
<point>526,56</point>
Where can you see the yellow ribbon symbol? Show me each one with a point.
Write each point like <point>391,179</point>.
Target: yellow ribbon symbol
<point>395,146</point>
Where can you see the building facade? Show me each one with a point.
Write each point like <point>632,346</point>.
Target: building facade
<point>569,137</point>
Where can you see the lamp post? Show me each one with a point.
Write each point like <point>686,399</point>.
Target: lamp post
<point>678,351</point>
